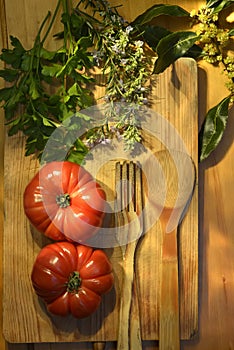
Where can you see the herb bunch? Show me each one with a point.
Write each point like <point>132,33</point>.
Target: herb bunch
<point>121,56</point>
<point>46,86</point>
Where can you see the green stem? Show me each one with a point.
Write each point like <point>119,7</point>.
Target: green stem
<point>51,22</point>
<point>74,282</point>
<point>37,44</point>
<point>42,26</point>
<point>63,200</point>
<point>67,29</point>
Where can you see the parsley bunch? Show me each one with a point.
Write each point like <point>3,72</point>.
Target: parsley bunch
<point>47,87</point>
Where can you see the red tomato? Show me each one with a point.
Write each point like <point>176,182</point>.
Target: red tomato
<point>63,201</point>
<point>71,278</point>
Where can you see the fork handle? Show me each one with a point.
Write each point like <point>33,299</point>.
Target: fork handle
<point>169,335</point>
<point>129,332</point>
<point>135,327</point>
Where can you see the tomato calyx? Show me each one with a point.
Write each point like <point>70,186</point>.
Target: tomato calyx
<point>74,282</point>
<point>63,200</point>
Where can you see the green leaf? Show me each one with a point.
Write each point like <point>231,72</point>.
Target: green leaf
<point>6,93</point>
<point>33,90</point>
<point>13,102</point>
<point>9,57</point>
<point>26,62</point>
<point>48,122</point>
<point>172,47</point>
<point>224,4</point>
<point>82,116</point>
<point>16,97</point>
<point>51,71</point>
<point>76,157</point>
<point>68,67</point>
<point>9,74</point>
<point>157,10</point>
<point>84,19</point>
<point>16,43</point>
<point>13,56</point>
<point>47,55</point>
<point>213,127</point>
<point>66,98</point>
<point>153,34</point>
<point>86,100</point>
<point>212,3</point>
<point>78,152</point>
<point>30,149</point>
<point>65,19</point>
<point>9,113</point>
<point>85,42</point>
<point>194,52</point>
<point>80,146</point>
<point>15,126</point>
<point>76,21</point>
<point>231,32</point>
<point>73,91</point>
<point>219,5</point>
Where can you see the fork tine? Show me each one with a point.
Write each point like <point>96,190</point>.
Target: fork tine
<point>132,187</point>
<point>121,217</point>
<point>125,186</point>
<point>118,187</point>
<point>139,200</point>
<point>129,196</point>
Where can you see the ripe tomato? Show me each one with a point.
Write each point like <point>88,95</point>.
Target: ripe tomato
<point>63,201</point>
<point>71,278</point>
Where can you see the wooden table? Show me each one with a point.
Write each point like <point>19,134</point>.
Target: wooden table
<point>216,282</point>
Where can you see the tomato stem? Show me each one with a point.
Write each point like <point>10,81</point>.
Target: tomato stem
<point>74,282</point>
<point>63,200</point>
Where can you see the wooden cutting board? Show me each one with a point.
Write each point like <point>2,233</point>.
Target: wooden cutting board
<point>174,96</point>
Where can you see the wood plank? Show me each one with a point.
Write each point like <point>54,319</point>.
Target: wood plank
<point>2,44</point>
<point>22,243</point>
<point>214,305</point>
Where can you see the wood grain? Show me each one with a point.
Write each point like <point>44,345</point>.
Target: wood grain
<point>22,243</point>
<point>3,41</point>
<point>180,181</point>
<point>216,259</point>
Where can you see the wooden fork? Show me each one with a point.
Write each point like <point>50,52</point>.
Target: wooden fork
<point>128,179</point>
<point>129,209</point>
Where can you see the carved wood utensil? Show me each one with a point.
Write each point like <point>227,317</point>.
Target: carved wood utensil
<point>129,176</point>
<point>173,194</point>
